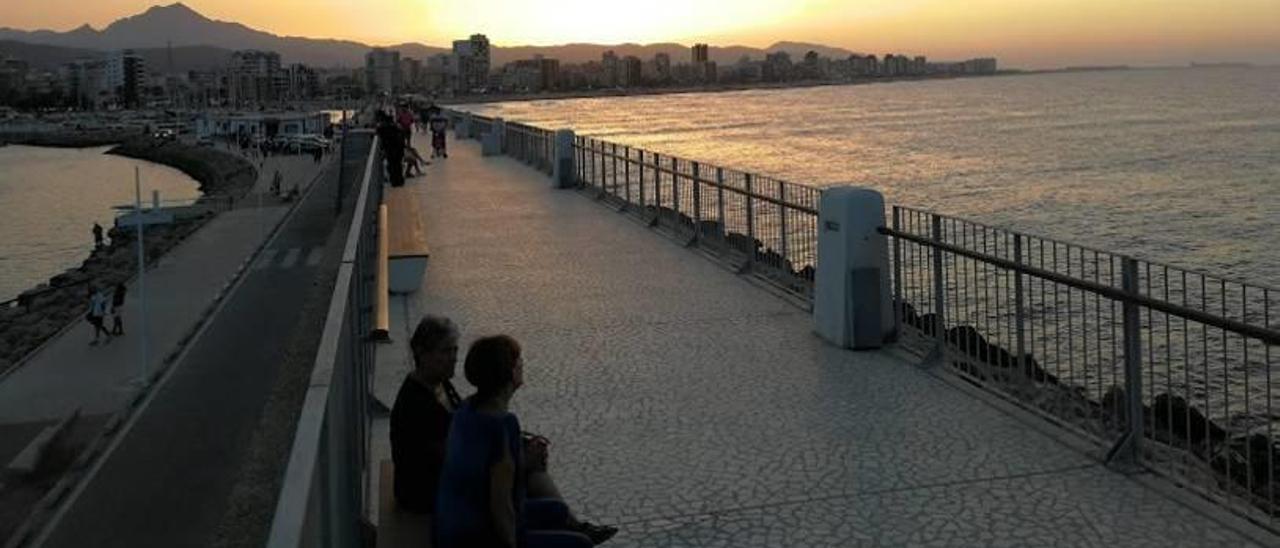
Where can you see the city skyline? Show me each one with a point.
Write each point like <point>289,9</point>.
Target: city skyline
<point>1051,33</point>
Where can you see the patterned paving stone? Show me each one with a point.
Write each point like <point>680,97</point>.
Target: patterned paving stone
<point>1083,507</point>
<point>698,410</point>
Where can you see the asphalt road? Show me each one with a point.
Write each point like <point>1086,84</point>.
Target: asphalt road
<point>169,480</point>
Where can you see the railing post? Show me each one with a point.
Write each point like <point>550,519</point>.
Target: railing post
<point>590,151</point>
<point>782,224</point>
<point>626,174</point>
<point>899,307</point>
<point>697,205</point>
<point>641,167</point>
<point>582,161</point>
<point>562,166</point>
<point>939,285</point>
<point>657,183</point>
<point>675,187</point>
<point>1132,365</point>
<point>614,171</point>
<point>720,203</point>
<point>1019,311</point>
<point>751,220</point>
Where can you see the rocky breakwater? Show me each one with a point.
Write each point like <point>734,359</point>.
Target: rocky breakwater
<point>45,310</point>
<point>1237,455</point>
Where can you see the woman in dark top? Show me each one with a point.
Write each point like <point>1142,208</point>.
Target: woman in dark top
<point>420,422</point>
<point>420,417</point>
<point>482,500</point>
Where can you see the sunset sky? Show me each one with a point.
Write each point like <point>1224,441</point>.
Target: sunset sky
<point>1026,33</point>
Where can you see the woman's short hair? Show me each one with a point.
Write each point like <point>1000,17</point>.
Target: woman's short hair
<point>491,364</point>
<point>431,332</point>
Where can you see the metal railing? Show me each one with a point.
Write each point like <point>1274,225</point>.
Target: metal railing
<point>480,125</point>
<point>764,225</point>
<point>1163,367</point>
<point>532,145</point>
<point>325,487</point>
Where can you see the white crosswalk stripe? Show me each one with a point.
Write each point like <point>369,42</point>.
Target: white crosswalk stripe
<point>265,259</point>
<point>290,258</point>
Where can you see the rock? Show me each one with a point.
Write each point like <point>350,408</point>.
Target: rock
<point>1172,413</point>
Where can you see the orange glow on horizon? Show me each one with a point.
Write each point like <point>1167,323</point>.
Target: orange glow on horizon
<point>1020,32</point>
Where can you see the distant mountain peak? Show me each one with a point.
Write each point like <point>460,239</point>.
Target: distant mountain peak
<point>176,7</point>
<point>176,12</point>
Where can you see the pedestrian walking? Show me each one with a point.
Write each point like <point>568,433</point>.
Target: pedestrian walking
<point>98,304</point>
<point>438,125</point>
<point>97,235</point>
<point>117,315</point>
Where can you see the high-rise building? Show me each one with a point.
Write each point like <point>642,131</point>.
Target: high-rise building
<point>304,82</point>
<point>630,72</point>
<point>472,63</point>
<point>609,62</point>
<point>410,73</point>
<point>86,84</point>
<point>441,73</point>
<point>126,75</point>
<point>700,52</point>
<point>256,77</point>
<point>662,67</point>
<point>382,71</point>
<point>13,76</point>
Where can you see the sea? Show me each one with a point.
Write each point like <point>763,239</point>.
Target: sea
<point>50,198</point>
<point>1178,166</point>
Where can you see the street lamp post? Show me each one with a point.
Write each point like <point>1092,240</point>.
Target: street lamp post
<point>142,276</point>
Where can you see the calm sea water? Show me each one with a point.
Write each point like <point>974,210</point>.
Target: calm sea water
<point>1180,166</point>
<point>50,198</point>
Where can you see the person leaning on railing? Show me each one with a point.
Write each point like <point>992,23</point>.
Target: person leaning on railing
<point>420,426</point>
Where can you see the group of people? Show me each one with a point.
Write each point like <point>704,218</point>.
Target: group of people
<point>101,305</point>
<point>467,461</point>
<point>395,133</point>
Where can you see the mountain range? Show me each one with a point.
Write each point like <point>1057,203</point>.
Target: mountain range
<point>195,42</point>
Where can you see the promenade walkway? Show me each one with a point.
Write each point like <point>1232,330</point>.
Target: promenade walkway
<point>691,408</point>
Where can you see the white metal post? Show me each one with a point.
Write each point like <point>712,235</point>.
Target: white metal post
<point>142,276</point>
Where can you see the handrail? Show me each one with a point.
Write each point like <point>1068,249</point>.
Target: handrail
<point>1265,335</point>
<point>709,182</point>
<point>303,473</point>
<point>1217,277</point>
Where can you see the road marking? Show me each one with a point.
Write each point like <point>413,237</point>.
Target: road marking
<point>265,259</point>
<point>290,258</point>
<point>313,259</point>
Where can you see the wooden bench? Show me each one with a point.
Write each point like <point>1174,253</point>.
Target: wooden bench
<point>407,251</point>
<point>397,528</point>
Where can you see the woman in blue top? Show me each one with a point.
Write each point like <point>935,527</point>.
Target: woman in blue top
<point>481,500</point>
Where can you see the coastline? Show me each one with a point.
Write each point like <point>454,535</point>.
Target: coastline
<point>718,88</point>
<point>45,310</point>
<point>66,139</point>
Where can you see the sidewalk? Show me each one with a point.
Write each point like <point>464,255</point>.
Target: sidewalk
<point>68,373</point>
<point>692,408</point>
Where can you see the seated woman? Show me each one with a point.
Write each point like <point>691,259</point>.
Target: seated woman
<point>421,414</point>
<point>483,499</point>
<point>420,422</point>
